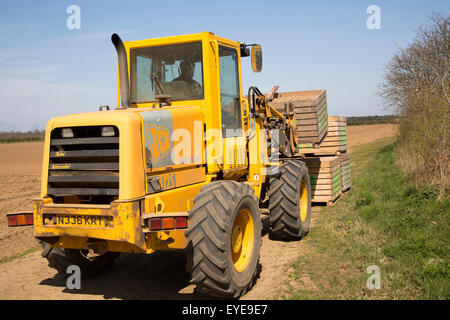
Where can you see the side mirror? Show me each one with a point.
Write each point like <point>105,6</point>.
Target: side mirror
<point>256,58</point>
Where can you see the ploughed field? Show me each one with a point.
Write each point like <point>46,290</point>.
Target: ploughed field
<point>157,276</point>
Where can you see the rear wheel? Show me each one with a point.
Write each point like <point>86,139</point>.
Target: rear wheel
<point>290,201</point>
<point>224,239</point>
<point>60,259</point>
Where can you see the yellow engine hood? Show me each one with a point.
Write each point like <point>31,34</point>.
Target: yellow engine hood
<point>131,163</point>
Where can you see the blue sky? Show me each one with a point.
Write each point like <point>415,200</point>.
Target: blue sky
<point>47,70</point>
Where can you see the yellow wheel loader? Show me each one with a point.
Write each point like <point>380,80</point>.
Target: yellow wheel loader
<point>186,162</point>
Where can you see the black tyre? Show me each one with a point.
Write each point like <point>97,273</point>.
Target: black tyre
<point>60,259</point>
<point>290,201</point>
<point>224,239</point>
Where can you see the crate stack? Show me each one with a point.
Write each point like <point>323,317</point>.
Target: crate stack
<point>310,114</point>
<point>333,150</point>
<point>335,142</point>
<point>326,178</point>
<point>334,146</point>
<point>322,142</point>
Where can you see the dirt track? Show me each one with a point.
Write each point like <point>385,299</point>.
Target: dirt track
<point>157,276</point>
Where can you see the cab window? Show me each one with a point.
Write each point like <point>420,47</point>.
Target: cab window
<point>229,92</point>
<point>177,68</point>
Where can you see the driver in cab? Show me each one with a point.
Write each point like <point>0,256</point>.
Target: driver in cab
<point>187,72</point>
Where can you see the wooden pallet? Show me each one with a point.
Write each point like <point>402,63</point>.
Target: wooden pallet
<point>326,202</point>
<point>322,151</point>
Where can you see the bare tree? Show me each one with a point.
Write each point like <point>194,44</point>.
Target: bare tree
<point>416,85</point>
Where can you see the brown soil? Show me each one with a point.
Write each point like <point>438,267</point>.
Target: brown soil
<point>20,176</point>
<point>157,276</point>
<point>365,134</point>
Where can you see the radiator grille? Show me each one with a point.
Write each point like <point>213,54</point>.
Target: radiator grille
<point>84,168</point>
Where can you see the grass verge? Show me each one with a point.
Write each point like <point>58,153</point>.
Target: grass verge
<point>20,255</point>
<point>381,221</point>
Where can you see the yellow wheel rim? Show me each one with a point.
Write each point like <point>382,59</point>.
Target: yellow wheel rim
<point>242,239</point>
<point>303,201</point>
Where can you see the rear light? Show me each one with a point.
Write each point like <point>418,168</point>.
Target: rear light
<point>12,221</point>
<point>181,222</point>
<point>20,219</point>
<point>155,224</point>
<point>167,223</point>
<point>29,219</point>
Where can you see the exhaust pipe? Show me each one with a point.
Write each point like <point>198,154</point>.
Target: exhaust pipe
<point>123,70</point>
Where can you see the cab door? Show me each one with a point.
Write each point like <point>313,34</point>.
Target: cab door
<point>233,133</point>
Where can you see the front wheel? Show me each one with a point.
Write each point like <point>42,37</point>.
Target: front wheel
<point>290,201</point>
<point>224,239</point>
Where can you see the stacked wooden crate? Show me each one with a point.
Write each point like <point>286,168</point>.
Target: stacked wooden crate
<point>334,143</point>
<point>310,113</point>
<point>346,176</point>
<point>325,177</point>
<point>322,142</point>
<point>332,152</point>
<point>336,139</point>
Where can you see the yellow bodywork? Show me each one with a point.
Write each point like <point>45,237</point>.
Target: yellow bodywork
<point>211,155</point>
<point>131,165</point>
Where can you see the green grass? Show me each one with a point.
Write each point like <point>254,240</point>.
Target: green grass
<point>381,221</point>
<point>20,255</point>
